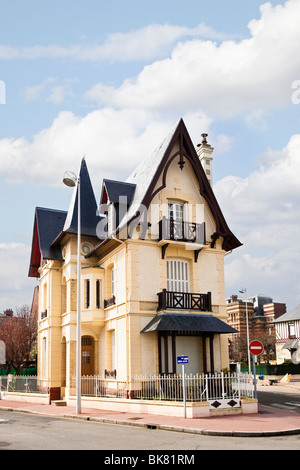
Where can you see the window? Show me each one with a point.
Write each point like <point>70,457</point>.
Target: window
<point>44,358</point>
<point>87,293</point>
<point>45,294</point>
<point>85,248</point>
<point>175,211</point>
<point>113,350</point>
<point>113,281</point>
<point>111,220</point>
<point>177,276</point>
<point>98,294</point>
<point>291,329</point>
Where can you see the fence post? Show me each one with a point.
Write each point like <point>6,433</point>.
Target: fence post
<point>183,390</point>
<point>206,384</point>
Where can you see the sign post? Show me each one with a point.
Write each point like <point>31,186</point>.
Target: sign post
<point>183,360</point>
<point>256,348</point>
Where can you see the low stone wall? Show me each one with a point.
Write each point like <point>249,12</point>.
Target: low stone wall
<point>164,408</point>
<point>41,399</point>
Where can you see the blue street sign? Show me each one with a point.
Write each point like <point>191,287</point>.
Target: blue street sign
<point>182,359</point>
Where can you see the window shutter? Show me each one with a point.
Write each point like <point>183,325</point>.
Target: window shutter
<point>177,276</point>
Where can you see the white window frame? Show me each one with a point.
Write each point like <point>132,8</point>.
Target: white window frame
<point>176,211</point>
<point>87,293</point>
<point>113,281</point>
<point>113,349</point>
<point>98,286</point>
<point>291,328</point>
<point>178,275</point>
<point>44,358</point>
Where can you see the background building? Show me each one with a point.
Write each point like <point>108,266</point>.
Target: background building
<point>262,312</point>
<point>287,329</point>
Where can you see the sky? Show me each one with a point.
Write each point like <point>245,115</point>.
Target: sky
<point>108,80</point>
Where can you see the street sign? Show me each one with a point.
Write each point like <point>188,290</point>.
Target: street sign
<point>182,359</point>
<point>256,347</point>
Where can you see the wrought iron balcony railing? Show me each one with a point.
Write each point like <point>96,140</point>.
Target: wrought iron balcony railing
<point>184,301</point>
<point>44,314</point>
<point>109,302</point>
<point>170,229</point>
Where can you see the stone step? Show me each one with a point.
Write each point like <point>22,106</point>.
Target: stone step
<point>59,402</point>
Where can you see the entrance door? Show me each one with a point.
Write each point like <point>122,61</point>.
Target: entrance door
<point>87,356</point>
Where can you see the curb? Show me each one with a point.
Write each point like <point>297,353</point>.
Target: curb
<point>163,427</point>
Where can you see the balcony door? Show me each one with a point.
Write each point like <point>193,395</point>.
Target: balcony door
<point>175,211</point>
<point>178,275</point>
<point>176,216</point>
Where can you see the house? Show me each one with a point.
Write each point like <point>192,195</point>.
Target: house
<point>152,277</point>
<point>262,312</point>
<point>288,336</point>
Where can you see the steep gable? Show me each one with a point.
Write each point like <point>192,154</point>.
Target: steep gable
<point>48,223</point>
<point>89,210</point>
<point>154,169</point>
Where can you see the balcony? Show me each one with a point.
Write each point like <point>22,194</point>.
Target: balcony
<point>170,229</point>
<point>44,314</point>
<point>110,302</point>
<point>184,301</point>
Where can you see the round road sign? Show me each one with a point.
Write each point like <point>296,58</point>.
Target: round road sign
<point>256,347</point>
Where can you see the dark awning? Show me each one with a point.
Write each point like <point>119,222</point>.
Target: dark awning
<point>290,345</point>
<point>201,323</point>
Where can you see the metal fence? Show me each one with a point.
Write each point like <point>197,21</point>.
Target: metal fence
<point>205,387</point>
<point>22,384</point>
<point>198,388</point>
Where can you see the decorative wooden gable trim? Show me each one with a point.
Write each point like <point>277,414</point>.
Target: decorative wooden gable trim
<point>35,260</point>
<point>187,152</point>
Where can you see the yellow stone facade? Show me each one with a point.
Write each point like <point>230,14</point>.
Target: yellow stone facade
<point>130,272</point>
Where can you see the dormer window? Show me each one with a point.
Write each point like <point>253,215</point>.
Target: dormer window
<point>291,327</point>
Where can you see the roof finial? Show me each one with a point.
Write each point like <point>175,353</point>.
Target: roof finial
<point>204,141</point>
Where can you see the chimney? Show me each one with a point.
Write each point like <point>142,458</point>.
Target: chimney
<point>204,151</point>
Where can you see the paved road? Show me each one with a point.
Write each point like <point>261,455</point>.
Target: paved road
<point>280,398</point>
<point>21,431</point>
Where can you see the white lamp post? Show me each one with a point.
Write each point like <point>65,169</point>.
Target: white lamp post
<point>71,180</point>
<point>244,291</point>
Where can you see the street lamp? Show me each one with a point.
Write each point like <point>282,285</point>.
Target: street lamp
<point>244,291</point>
<point>71,180</point>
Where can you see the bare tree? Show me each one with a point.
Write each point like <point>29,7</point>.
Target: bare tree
<point>19,333</point>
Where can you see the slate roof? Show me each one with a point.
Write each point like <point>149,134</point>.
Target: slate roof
<point>89,210</point>
<point>48,223</point>
<point>292,315</point>
<point>115,189</point>
<point>143,175</point>
<point>51,225</point>
<point>201,323</point>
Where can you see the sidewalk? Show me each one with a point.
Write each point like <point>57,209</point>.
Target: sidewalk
<point>269,421</point>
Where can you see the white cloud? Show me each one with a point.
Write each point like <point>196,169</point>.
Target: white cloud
<point>114,142</point>
<point>50,90</point>
<point>263,211</point>
<point>15,287</point>
<point>156,39</point>
<point>221,79</point>
<point>34,92</point>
